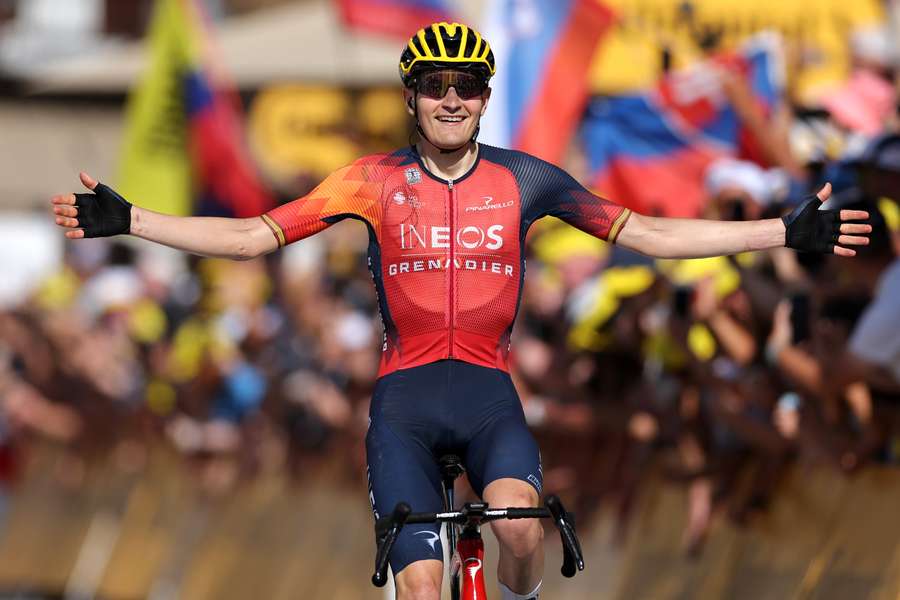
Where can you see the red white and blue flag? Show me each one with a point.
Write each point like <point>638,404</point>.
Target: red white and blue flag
<point>225,180</point>
<point>184,150</point>
<point>543,50</point>
<point>399,18</point>
<point>650,151</point>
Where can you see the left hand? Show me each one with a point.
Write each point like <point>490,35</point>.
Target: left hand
<point>100,214</point>
<point>809,229</point>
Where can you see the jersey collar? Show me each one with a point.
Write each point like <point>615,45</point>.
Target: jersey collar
<point>418,157</point>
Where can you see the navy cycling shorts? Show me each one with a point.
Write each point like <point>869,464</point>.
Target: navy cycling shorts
<point>446,407</point>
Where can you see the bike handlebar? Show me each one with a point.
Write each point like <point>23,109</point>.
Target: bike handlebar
<point>388,528</point>
<point>565,523</point>
<point>397,520</point>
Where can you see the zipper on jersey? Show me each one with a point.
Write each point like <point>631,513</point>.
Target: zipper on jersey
<point>451,268</point>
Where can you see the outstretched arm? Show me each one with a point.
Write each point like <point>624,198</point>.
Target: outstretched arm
<point>106,213</point>
<point>806,228</point>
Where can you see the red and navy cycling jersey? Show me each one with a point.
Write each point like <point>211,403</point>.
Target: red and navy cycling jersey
<point>447,257</point>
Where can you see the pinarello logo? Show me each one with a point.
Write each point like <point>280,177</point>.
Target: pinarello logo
<point>473,565</point>
<point>432,540</point>
<point>489,204</point>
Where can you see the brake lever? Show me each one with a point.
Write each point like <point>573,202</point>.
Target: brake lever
<point>386,541</point>
<point>573,559</point>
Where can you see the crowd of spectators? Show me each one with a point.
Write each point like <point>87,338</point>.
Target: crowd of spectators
<point>714,374</point>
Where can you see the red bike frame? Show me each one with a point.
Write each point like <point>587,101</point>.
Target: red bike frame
<point>471,568</point>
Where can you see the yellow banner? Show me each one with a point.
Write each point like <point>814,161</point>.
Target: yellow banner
<point>817,35</point>
<point>314,130</point>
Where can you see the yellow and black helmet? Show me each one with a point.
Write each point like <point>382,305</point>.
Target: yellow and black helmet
<point>443,45</point>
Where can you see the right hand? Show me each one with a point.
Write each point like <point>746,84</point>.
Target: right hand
<point>101,214</point>
<point>809,229</point>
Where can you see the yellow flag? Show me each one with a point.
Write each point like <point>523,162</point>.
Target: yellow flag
<point>155,169</point>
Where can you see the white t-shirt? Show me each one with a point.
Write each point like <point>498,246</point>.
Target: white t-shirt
<point>876,338</point>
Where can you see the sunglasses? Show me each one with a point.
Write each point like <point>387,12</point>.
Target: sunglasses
<point>436,84</point>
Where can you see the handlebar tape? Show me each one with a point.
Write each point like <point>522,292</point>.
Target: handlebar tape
<point>392,530</point>
<point>573,560</point>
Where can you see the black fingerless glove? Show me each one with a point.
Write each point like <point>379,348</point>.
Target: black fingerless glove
<point>809,229</point>
<point>103,213</point>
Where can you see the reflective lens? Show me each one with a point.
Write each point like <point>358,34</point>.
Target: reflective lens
<point>435,84</point>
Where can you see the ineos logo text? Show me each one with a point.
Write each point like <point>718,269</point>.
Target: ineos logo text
<point>469,237</point>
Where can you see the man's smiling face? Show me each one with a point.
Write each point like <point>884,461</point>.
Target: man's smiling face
<point>449,122</point>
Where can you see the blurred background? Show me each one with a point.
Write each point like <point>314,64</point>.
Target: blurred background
<point>178,427</point>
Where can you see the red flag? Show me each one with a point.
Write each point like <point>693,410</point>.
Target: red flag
<point>399,18</point>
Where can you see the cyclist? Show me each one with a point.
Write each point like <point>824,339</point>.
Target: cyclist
<point>447,219</point>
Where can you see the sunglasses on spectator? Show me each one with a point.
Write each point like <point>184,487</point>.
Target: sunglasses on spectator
<point>436,84</point>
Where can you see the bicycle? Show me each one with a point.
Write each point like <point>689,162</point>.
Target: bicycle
<point>464,534</point>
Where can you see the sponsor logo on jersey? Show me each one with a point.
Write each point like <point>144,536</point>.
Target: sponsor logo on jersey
<point>401,198</point>
<point>413,176</point>
<point>489,204</point>
<point>441,264</point>
<point>415,238</point>
<point>431,540</point>
<point>469,237</point>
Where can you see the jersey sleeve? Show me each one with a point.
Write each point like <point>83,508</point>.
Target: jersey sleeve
<point>350,192</point>
<point>548,190</point>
